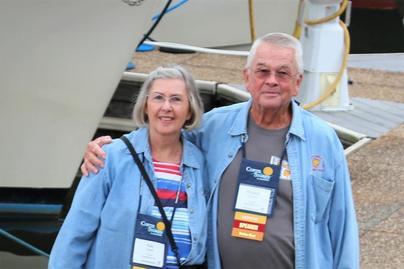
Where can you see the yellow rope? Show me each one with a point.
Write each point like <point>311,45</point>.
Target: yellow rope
<point>252,19</point>
<point>298,28</point>
<point>330,17</point>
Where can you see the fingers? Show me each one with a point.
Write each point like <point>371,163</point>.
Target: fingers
<point>94,152</point>
<point>95,146</point>
<point>84,170</point>
<point>102,140</point>
<point>87,167</point>
<point>94,155</point>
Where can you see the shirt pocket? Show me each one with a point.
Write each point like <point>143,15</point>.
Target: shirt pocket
<point>320,194</point>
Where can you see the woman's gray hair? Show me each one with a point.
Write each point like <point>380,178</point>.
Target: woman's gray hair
<point>281,40</point>
<point>170,72</point>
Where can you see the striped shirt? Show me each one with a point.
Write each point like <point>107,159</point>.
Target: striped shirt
<point>169,179</point>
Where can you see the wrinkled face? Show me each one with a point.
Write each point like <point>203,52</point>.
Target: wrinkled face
<point>167,107</point>
<point>272,79</point>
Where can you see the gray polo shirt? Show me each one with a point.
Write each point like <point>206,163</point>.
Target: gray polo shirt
<point>277,248</point>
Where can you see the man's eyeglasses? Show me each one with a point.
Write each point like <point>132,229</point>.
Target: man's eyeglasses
<point>174,100</point>
<point>280,75</point>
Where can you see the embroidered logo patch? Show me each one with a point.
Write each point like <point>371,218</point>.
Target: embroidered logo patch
<point>317,163</point>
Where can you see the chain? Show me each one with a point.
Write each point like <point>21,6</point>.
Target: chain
<point>133,2</point>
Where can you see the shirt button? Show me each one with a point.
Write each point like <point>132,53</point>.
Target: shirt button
<point>191,211</point>
<point>230,155</point>
<point>189,185</point>
<point>195,239</point>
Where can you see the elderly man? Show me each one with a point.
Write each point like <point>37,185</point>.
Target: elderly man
<point>280,187</point>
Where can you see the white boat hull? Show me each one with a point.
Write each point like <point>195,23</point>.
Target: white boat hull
<point>223,23</point>
<point>60,64</point>
<point>62,60</point>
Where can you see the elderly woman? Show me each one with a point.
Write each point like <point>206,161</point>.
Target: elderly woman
<point>115,221</point>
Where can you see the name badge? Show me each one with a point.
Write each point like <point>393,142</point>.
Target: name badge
<point>150,246</point>
<point>252,198</point>
<point>147,252</point>
<point>258,183</point>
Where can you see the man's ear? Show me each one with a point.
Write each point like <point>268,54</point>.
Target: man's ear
<point>299,81</point>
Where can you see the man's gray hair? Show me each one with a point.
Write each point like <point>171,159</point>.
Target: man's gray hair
<point>281,40</point>
<point>170,72</point>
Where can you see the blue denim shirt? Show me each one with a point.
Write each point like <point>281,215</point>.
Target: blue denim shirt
<point>98,232</point>
<point>325,228</point>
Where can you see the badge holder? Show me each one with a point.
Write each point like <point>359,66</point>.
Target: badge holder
<point>150,247</point>
<point>255,200</point>
<point>166,223</point>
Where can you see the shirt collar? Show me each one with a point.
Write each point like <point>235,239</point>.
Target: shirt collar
<point>239,125</point>
<point>296,126</point>
<point>140,141</point>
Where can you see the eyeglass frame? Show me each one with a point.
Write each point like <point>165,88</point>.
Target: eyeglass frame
<point>171,99</point>
<point>281,74</point>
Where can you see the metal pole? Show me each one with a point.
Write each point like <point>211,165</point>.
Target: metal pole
<point>23,243</point>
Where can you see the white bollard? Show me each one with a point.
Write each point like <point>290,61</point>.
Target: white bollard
<point>323,53</point>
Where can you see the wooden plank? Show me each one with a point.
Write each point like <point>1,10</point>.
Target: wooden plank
<point>374,118</point>
<point>370,117</point>
<point>353,122</point>
<point>390,110</point>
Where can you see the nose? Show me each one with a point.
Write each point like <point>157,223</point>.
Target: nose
<point>167,104</point>
<point>271,79</point>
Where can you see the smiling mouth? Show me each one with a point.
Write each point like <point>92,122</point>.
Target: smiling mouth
<point>270,93</point>
<point>166,118</point>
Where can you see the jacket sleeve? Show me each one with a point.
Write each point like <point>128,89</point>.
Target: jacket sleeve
<point>342,222</point>
<point>77,233</point>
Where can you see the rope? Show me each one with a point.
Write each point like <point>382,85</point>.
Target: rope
<point>330,17</point>
<point>252,19</point>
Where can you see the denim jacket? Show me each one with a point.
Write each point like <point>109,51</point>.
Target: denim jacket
<point>325,228</point>
<point>98,232</point>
